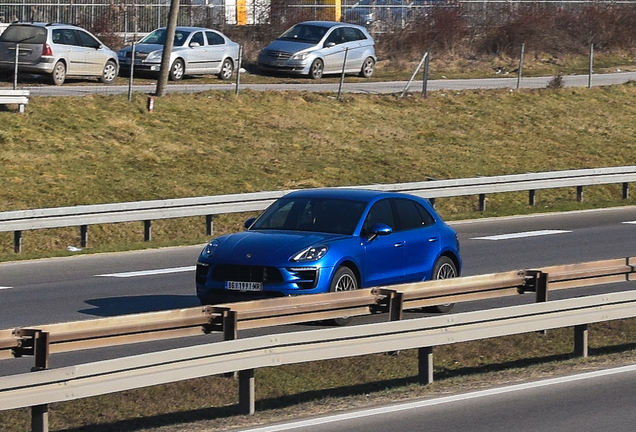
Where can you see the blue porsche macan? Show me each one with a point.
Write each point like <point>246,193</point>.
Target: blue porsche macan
<point>322,240</point>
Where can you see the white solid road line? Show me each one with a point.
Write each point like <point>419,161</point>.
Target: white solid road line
<point>630,222</point>
<point>149,272</point>
<point>521,235</point>
<point>439,401</point>
<point>5,288</point>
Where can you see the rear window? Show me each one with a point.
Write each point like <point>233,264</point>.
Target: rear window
<point>24,34</point>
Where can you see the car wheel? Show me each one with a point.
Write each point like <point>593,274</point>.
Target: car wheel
<point>367,68</point>
<point>59,73</point>
<point>109,73</point>
<point>177,70</point>
<point>444,269</point>
<point>316,69</point>
<point>227,69</point>
<point>343,280</point>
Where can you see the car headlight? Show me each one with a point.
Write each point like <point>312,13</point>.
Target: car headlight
<point>155,55</point>
<point>313,253</point>
<point>301,56</point>
<point>210,249</point>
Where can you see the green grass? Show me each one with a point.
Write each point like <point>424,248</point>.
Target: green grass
<point>100,149</point>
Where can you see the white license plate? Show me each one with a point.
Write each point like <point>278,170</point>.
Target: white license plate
<point>244,286</point>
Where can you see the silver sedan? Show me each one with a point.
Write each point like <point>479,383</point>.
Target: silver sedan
<point>196,51</point>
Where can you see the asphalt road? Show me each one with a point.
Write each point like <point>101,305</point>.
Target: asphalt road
<point>348,87</point>
<point>92,286</point>
<point>597,401</point>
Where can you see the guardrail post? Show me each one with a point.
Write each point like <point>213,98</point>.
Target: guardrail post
<point>247,394</point>
<point>40,418</point>
<point>209,225</point>
<point>147,230</point>
<point>580,340</point>
<point>532,199</point>
<point>230,324</point>
<point>482,202</point>
<point>84,236</point>
<point>625,190</point>
<point>17,241</point>
<point>541,286</point>
<point>396,306</point>
<point>579,193</point>
<point>425,365</point>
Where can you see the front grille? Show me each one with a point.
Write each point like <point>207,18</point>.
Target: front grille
<point>246,273</point>
<point>305,278</point>
<point>280,55</point>
<point>138,55</point>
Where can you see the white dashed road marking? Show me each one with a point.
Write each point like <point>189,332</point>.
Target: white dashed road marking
<point>521,235</point>
<point>149,272</point>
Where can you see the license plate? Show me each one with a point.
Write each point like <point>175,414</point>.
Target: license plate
<point>244,286</point>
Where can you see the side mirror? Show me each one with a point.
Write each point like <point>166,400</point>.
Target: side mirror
<point>379,229</point>
<point>194,44</point>
<point>248,223</point>
<point>330,44</point>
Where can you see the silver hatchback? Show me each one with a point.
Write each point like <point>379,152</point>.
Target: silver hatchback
<point>315,48</point>
<point>58,50</point>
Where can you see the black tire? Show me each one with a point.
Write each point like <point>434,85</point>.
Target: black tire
<point>59,73</point>
<point>316,70</point>
<point>343,280</point>
<point>109,73</point>
<point>227,69</point>
<point>367,67</point>
<point>444,269</point>
<point>177,70</point>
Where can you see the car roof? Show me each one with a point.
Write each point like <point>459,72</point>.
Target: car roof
<point>330,24</point>
<point>366,195</point>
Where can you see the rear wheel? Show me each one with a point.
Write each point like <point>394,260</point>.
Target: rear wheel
<point>343,280</point>
<point>444,269</point>
<point>59,73</point>
<point>177,70</point>
<point>316,69</point>
<point>367,67</point>
<point>109,73</point>
<point>227,69</point>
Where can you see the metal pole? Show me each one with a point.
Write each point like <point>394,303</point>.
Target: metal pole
<point>426,67</point>
<point>589,80</point>
<point>132,71</point>
<point>520,70</point>
<point>167,49</point>
<point>417,69</point>
<point>238,69</point>
<point>344,63</point>
<point>15,69</point>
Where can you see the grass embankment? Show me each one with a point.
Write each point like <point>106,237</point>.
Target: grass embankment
<point>100,149</point>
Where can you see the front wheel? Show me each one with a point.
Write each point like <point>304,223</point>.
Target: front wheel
<point>444,269</point>
<point>59,73</point>
<point>109,73</point>
<point>316,69</point>
<point>227,69</point>
<point>367,67</point>
<point>343,280</point>
<point>177,70</point>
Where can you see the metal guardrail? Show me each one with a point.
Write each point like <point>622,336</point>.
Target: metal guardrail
<point>14,97</point>
<point>147,211</point>
<point>37,390</point>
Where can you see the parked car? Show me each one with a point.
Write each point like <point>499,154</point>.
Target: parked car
<point>196,51</point>
<point>315,48</point>
<point>326,240</point>
<point>58,50</point>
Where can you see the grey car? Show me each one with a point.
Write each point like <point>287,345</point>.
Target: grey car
<point>315,48</point>
<point>57,50</point>
<point>196,51</point>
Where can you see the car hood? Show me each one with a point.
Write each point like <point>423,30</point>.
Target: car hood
<point>145,48</point>
<point>267,247</point>
<point>289,46</point>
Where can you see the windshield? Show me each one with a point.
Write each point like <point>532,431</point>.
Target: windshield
<point>24,34</point>
<point>325,215</point>
<point>304,33</point>
<point>158,37</point>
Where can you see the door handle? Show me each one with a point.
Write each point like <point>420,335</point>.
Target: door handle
<point>399,244</point>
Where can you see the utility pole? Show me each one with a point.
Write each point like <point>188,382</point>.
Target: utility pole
<point>167,49</point>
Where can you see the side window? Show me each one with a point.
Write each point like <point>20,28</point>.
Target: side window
<point>351,34</point>
<point>381,212</point>
<point>87,40</point>
<point>197,38</point>
<point>336,37</point>
<point>214,39</point>
<point>66,37</point>
<point>412,215</point>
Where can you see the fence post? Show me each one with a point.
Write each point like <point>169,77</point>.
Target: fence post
<point>589,80</point>
<point>247,394</point>
<point>580,340</point>
<point>425,365</point>
<point>520,69</point>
